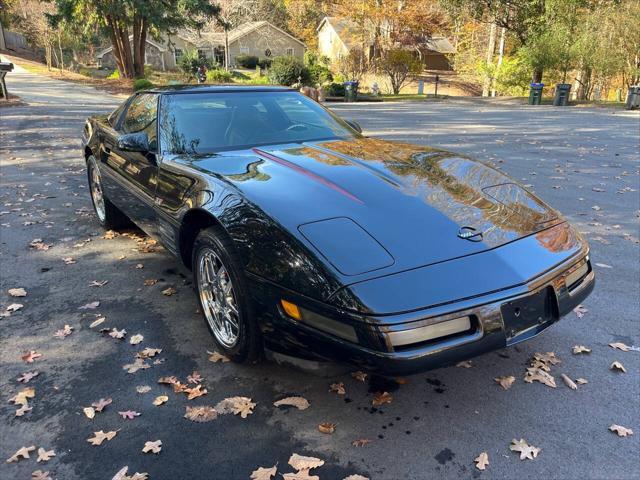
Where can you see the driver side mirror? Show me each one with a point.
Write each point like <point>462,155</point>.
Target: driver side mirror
<point>355,125</point>
<point>134,142</point>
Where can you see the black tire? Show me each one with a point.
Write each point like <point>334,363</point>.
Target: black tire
<point>249,347</point>
<point>113,218</point>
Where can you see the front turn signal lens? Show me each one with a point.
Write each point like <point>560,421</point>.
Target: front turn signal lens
<point>291,309</point>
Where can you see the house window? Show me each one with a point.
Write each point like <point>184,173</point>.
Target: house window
<point>177,53</point>
<point>244,50</point>
<point>290,51</point>
<point>202,54</point>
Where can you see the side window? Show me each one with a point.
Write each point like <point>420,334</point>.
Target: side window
<point>115,115</point>
<point>141,113</point>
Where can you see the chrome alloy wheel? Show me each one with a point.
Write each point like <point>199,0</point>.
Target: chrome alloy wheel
<point>96,192</point>
<point>218,298</point>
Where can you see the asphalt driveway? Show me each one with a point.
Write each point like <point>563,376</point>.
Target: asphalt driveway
<point>583,161</point>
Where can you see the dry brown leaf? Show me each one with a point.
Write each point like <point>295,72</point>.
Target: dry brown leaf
<point>90,306</point>
<point>361,442</point>
<point>381,398</point>
<point>122,475</point>
<point>17,292</point>
<point>338,388</point>
<point>526,450</point>
<point>482,461</point>
<point>538,375</point>
<point>216,357</point>
<point>117,334</point>
<point>548,358</point>
<point>129,414</point>
<point>195,392</point>
<point>101,404</point>
<point>620,346</point>
<point>580,311</point>
<point>38,244</point>
<point>64,332</point>
<point>69,260</point>
<point>465,364</point>
<point>143,388</point>
<point>160,399</point>
<point>23,396</point>
<point>31,356</point>
<point>620,430</point>
<point>152,447</point>
<point>194,378</point>
<point>21,453</point>
<point>14,307</point>
<point>40,475</point>
<point>139,266</point>
<point>99,437</point>
<point>149,352</point>
<point>505,381</point>
<point>618,367</point>
<point>97,322</point>
<point>300,403</point>
<point>44,455</point>
<point>300,462</point>
<point>568,382</point>
<point>138,364</point>
<point>242,406</point>
<point>302,475</point>
<point>26,376</point>
<point>581,381</point>
<point>136,339</point>
<point>150,282</point>
<point>169,291</point>
<point>264,473</point>
<point>168,380</point>
<point>327,427</point>
<point>22,410</point>
<point>201,414</point>
<point>355,476</point>
<point>577,349</point>
<point>360,376</point>
<point>89,412</point>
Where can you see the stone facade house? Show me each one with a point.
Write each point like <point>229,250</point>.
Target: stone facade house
<point>338,36</point>
<point>260,39</point>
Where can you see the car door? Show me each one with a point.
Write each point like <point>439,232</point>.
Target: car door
<point>134,175</point>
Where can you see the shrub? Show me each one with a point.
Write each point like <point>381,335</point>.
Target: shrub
<point>318,66</point>
<point>148,70</point>
<point>115,75</point>
<point>399,65</point>
<point>141,84</point>
<point>265,63</point>
<point>84,71</point>
<point>335,90</point>
<point>286,71</point>
<point>218,75</point>
<point>190,61</point>
<point>247,61</point>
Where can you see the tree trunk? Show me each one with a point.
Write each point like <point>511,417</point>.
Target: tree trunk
<point>60,49</point>
<point>122,34</point>
<point>503,34</point>
<point>536,77</point>
<point>139,45</point>
<point>491,46</point>
<point>226,48</point>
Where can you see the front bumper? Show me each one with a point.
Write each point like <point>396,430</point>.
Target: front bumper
<point>493,323</point>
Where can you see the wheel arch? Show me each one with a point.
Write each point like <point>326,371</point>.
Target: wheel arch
<point>193,222</point>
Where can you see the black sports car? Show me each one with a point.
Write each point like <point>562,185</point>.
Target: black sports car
<point>306,237</point>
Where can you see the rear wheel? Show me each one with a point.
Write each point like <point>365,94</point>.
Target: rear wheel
<point>109,216</point>
<point>224,297</point>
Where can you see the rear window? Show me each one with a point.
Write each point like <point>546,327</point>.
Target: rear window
<point>203,123</point>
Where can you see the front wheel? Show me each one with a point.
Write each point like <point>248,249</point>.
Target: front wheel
<point>109,216</point>
<point>224,297</point>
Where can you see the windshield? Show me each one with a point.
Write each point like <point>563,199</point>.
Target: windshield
<point>204,123</point>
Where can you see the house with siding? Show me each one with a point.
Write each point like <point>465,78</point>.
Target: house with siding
<point>261,39</point>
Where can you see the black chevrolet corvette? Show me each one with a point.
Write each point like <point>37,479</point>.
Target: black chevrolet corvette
<point>308,238</point>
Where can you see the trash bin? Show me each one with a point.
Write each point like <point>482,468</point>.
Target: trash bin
<point>562,95</point>
<point>633,98</point>
<point>350,91</point>
<point>535,93</point>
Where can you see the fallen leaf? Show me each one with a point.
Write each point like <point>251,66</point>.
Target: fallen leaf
<point>577,349</point>
<point>381,398</point>
<point>169,291</point>
<point>168,380</point>
<point>568,382</point>
<point>580,311</point>
<point>138,364</point>
<point>360,376</point>
<point>548,358</point>
<point>201,414</point>
<point>101,436</point>
<point>581,381</point>
<point>194,378</point>
<point>143,388</point>
<point>361,442</point>
<point>136,339</point>
<point>539,375</point>
<point>195,392</point>
<point>355,476</point>
<point>89,412</point>
<point>150,282</point>
<point>618,366</point>
<point>505,381</point>
<point>23,396</point>
<point>44,455</point>
<point>38,244</point>
<point>620,346</point>
<point>97,322</point>
<point>603,265</point>
<point>338,388</point>
<point>264,473</point>
<point>90,306</point>
<point>22,452</point>
<point>101,404</point>
<point>160,399</point>
<point>148,352</point>
<point>122,475</point>
<point>117,334</point>
<point>64,332</point>
<point>26,376</point>
<point>620,430</point>
<point>95,283</point>
<point>300,462</point>
<point>17,292</point>
<point>14,307</point>
<point>69,260</point>
<point>482,461</point>
<point>327,428</point>
<point>22,410</point>
<point>40,475</point>
<point>129,414</point>
<point>216,357</point>
<point>242,406</point>
<point>465,364</point>
<point>526,450</point>
<point>300,403</point>
<point>153,447</point>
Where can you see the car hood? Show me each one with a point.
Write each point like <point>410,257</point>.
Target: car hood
<point>373,207</point>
